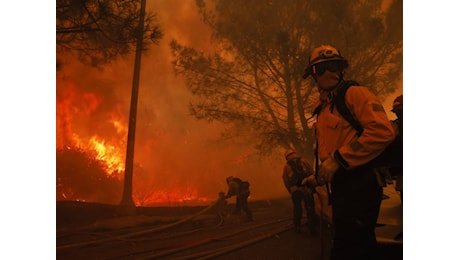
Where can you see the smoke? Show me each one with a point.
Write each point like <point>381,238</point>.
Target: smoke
<point>173,151</point>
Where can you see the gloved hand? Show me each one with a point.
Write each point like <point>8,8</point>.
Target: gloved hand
<point>310,181</point>
<point>327,170</point>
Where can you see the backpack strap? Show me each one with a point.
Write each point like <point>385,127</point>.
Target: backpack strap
<point>316,111</point>
<point>339,102</point>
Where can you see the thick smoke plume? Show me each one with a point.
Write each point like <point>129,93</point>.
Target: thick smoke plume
<point>175,155</point>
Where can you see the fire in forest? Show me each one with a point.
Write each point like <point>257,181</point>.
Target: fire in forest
<point>91,149</point>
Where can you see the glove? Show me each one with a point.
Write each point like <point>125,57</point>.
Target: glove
<point>328,168</point>
<point>309,181</point>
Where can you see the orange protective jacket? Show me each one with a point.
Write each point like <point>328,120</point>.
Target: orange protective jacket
<point>288,173</point>
<point>337,138</point>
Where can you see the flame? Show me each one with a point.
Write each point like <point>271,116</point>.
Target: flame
<point>72,104</point>
<point>106,141</point>
<point>109,154</point>
<point>171,196</point>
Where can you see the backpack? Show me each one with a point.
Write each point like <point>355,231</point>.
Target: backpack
<point>299,173</point>
<point>392,155</point>
<point>243,186</point>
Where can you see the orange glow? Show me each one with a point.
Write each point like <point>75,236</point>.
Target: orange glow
<point>90,102</point>
<point>177,159</point>
<point>73,104</point>
<point>109,154</point>
<point>170,197</point>
<point>85,122</point>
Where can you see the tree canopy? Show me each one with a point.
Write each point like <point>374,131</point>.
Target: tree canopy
<point>253,80</point>
<point>99,31</point>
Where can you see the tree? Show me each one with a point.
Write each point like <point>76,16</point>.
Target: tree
<point>102,30</point>
<point>99,31</point>
<point>253,82</point>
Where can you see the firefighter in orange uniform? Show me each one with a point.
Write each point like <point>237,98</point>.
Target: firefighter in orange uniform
<point>299,180</point>
<point>345,155</point>
<point>240,189</point>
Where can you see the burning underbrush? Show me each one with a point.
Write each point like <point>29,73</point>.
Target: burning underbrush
<point>91,132</point>
<point>80,176</point>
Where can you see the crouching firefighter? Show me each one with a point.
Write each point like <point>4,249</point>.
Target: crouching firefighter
<point>240,189</point>
<point>299,181</point>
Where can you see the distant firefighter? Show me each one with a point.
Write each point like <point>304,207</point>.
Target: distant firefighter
<point>396,167</point>
<point>240,189</point>
<point>299,181</point>
<point>221,205</point>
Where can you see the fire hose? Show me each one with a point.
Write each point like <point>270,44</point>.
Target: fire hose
<point>151,230</point>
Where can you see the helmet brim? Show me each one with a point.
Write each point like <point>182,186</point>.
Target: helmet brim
<point>308,70</point>
<point>328,59</point>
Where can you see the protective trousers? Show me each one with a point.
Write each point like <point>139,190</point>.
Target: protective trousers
<point>298,197</point>
<point>242,204</point>
<point>356,198</point>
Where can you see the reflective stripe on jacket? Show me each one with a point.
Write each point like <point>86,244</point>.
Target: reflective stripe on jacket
<point>336,135</point>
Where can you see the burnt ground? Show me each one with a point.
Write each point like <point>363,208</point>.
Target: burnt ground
<point>71,216</point>
<point>75,216</point>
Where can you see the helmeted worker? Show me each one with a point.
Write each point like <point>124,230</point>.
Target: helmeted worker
<point>396,165</point>
<point>398,110</point>
<point>345,155</point>
<point>299,180</point>
<point>240,189</point>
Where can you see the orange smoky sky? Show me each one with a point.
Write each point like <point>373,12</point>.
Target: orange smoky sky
<point>176,152</point>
